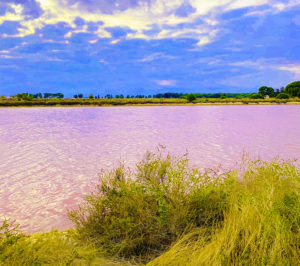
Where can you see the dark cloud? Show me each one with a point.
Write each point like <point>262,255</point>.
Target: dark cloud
<point>118,32</point>
<point>107,6</point>
<point>185,10</point>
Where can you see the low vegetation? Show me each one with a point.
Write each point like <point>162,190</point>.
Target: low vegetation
<point>167,213</point>
<point>123,102</point>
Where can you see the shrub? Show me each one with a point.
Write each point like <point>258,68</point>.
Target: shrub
<point>256,96</point>
<point>282,96</point>
<point>191,97</point>
<point>142,215</point>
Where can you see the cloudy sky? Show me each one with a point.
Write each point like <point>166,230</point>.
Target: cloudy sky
<point>147,46</point>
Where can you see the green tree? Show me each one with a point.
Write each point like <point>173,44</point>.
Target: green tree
<point>191,97</point>
<point>293,88</point>
<point>75,96</point>
<point>80,95</point>
<point>256,96</point>
<point>24,96</point>
<point>60,96</point>
<point>282,95</point>
<point>264,90</point>
<point>91,96</point>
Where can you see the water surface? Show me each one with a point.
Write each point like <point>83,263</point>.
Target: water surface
<point>50,157</point>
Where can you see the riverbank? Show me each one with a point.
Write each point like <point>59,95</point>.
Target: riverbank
<point>168,213</point>
<point>142,102</point>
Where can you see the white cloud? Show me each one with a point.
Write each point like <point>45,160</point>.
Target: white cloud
<point>156,56</point>
<point>276,64</point>
<point>143,17</point>
<point>166,82</point>
<point>13,16</point>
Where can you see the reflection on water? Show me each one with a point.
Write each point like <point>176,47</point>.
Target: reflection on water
<point>50,157</point>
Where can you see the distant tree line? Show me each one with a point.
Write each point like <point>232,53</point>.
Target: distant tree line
<point>46,95</point>
<point>291,90</point>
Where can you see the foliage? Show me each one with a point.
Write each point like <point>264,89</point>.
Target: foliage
<point>24,97</point>
<point>282,96</point>
<point>168,95</point>
<point>48,95</point>
<point>264,90</point>
<point>91,96</point>
<point>256,96</point>
<point>191,97</point>
<point>142,215</point>
<point>219,95</point>
<point>293,88</point>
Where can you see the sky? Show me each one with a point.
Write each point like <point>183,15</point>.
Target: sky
<point>147,46</point>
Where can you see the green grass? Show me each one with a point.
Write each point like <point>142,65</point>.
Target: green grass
<point>167,213</point>
<point>124,102</point>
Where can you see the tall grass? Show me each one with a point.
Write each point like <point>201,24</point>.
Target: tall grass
<point>261,225</point>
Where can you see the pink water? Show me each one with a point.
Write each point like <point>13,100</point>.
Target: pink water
<point>50,157</point>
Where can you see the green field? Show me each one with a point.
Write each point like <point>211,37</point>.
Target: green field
<point>167,213</point>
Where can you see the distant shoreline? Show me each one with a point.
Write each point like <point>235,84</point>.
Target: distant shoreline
<point>144,102</point>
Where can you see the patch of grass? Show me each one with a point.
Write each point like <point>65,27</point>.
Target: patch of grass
<point>53,248</point>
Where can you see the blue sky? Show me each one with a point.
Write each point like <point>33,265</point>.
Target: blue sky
<point>147,46</point>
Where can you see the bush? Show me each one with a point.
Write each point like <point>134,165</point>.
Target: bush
<point>282,96</point>
<point>142,215</point>
<point>191,97</point>
<point>256,96</point>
